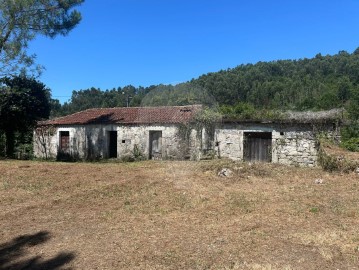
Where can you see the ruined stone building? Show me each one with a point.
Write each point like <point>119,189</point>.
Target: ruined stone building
<point>171,132</point>
<point>152,132</point>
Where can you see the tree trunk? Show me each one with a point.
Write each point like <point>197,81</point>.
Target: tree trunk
<point>10,143</point>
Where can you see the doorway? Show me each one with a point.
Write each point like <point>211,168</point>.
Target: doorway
<point>112,145</point>
<point>64,141</point>
<point>155,145</point>
<point>257,146</point>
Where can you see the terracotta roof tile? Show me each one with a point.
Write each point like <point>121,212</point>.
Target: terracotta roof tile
<point>130,115</point>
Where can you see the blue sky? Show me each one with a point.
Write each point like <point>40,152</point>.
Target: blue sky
<point>139,42</point>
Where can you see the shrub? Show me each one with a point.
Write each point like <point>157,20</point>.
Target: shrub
<point>351,144</point>
<point>137,153</point>
<point>67,157</point>
<point>332,161</point>
<point>24,151</point>
<point>350,137</point>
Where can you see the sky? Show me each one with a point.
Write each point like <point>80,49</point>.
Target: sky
<point>149,42</point>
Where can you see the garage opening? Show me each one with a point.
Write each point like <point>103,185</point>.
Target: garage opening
<point>257,146</point>
<point>112,144</point>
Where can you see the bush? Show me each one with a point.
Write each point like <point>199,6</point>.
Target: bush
<point>67,157</point>
<point>127,158</point>
<point>332,161</point>
<point>137,153</point>
<point>352,144</point>
<point>24,151</point>
<point>350,137</point>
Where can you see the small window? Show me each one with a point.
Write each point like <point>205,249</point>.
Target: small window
<point>64,141</point>
<point>123,141</point>
<point>281,133</point>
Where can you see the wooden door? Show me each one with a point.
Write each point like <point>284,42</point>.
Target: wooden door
<point>257,146</point>
<point>64,141</point>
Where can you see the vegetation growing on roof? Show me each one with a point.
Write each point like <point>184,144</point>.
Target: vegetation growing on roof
<point>245,111</point>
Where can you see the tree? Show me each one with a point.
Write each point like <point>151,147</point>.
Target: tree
<point>23,102</point>
<point>353,107</point>
<point>22,20</point>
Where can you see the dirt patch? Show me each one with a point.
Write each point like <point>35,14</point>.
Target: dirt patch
<point>176,215</point>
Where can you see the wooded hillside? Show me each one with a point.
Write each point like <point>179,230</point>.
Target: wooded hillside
<point>322,82</point>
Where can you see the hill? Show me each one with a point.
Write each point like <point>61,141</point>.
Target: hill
<point>318,83</point>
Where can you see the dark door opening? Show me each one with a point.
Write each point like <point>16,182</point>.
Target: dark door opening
<point>64,141</point>
<point>257,146</point>
<point>112,151</point>
<point>155,145</point>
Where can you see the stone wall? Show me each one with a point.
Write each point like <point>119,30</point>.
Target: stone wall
<point>92,141</point>
<point>295,148</point>
<point>229,143</point>
<point>86,142</point>
<point>133,136</point>
<point>291,144</point>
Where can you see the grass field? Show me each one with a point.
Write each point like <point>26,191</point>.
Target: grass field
<point>176,215</point>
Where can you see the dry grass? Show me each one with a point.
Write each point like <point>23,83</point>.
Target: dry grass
<point>336,151</point>
<point>176,215</point>
<point>334,158</point>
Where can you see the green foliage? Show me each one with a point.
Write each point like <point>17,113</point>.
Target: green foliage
<point>331,161</point>
<point>350,131</point>
<point>246,111</point>
<point>206,118</point>
<point>322,82</point>
<point>178,95</point>
<point>327,162</point>
<point>137,153</point>
<point>24,151</point>
<point>95,98</point>
<point>351,144</point>
<point>22,20</point>
<point>23,101</point>
<point>240,110</point>
<point>350,137</point>
<point>353,107</point>
<point>314,210</point>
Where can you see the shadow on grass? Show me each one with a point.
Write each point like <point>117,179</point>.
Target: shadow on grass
<point>14,254</point>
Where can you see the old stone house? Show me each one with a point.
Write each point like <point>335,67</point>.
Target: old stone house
<point>149,132</point>
<point>291,139</point>
<point>171,133</point>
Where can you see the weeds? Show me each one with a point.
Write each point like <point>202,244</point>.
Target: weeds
<point>6,184</point>
<point>331,158</point>
<point>239,201</point>
<point>314,210</point>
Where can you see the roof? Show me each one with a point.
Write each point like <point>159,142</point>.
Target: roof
<point>294,117</point>
<point>129,115</point>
